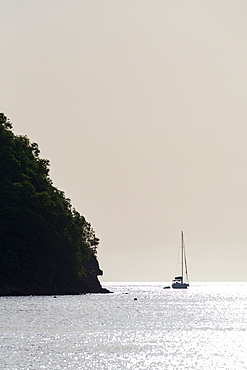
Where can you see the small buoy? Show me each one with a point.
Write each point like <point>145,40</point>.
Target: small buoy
<point>135,299</point>
<point>55,296</point>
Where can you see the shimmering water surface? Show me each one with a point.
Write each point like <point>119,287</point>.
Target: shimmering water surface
<point>139,326</point>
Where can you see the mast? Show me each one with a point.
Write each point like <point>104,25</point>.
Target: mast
<point>185,262</point>
<point>182,240</point>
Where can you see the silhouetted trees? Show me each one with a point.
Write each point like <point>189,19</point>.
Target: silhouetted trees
<point>42,238</point>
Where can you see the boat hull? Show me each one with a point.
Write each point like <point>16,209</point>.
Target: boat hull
<point>180,286</point>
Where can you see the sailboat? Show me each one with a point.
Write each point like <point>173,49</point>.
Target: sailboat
<point>179,282</point>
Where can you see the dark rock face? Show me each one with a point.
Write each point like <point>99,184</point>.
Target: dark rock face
<point>18,286</point>
<point>90,283</point>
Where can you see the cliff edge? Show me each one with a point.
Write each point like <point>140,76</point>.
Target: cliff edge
<point>19,285</point>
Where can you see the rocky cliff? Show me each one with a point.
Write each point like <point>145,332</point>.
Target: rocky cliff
<point>19,286</point>
<point>45,243</point>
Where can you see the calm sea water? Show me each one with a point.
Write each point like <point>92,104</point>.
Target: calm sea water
<point>139,326</point>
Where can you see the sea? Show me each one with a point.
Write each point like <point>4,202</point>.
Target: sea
<point>138,326</point>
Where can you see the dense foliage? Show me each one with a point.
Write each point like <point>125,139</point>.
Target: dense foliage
<point>42,238</point>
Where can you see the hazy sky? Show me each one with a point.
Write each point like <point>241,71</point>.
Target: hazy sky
<point>141,108</point>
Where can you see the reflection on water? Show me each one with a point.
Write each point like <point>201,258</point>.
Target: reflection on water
<point>139,326</point>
